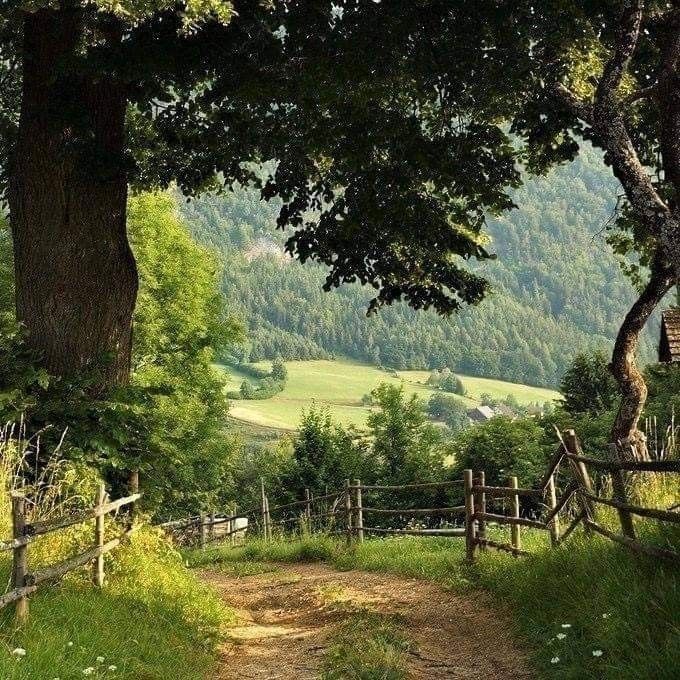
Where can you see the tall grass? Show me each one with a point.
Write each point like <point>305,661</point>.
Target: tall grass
<point>153,620</point>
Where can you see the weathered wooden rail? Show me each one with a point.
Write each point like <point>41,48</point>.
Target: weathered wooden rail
<point>24,533</point>
<point>346,511</point>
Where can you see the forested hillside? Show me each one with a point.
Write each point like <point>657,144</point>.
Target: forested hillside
<point>557,289</point>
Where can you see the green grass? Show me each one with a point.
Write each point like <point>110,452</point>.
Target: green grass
<point>612,601</point>
<point>367,646</point>
<point>152,621</point>
<point>341,384</point>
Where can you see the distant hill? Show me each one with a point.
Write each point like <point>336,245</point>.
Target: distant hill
<point>557,289</point>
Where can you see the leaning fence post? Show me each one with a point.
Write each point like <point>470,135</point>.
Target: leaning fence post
<point>470,538</point>
<point>348,510</point>
<point>582,477</point>
<point>308,511</point>
<point>620,494</point>
<point>19,556</point>
<point>552,503</point>
<point>203,530</point>
<point>133,488</point>
<point>516,538</point>
<point>99,522</point>
<point>359,511</point>
<point>267,519</point>
<point>480,506</point>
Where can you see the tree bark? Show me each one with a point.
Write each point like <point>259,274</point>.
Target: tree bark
<point>76,278</point>
<point>624,366</point>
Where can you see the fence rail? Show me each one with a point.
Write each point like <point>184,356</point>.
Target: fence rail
<point>25,582</point>
<point>574,504</point>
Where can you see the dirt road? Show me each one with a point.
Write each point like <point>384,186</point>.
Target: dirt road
<point>287,615</point>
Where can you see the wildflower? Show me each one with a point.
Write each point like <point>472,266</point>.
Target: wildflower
<point>113,668</point>
<point>100,659</point>
<point>19,652</point>
<point>88,671</point>
<point>597,652</point>
<point>561,636</point>
<point>555,659</point>
<point>566,625</point>
<point>605,616</point>
<point>69,644</point>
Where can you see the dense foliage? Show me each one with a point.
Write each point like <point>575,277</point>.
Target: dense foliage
<point>553,293</point>
<point>169,421</point>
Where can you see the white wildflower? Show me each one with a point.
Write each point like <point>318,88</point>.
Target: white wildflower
<point>88,671</point>
<point>605,616</point>
<point>69,644</point>
<point>597,652</point>
<point>100,659</point>
<point>561,636</point>
<point>113,668</point>
<point>19,651</point>
<point>566,625</point>
<point>555,659</point>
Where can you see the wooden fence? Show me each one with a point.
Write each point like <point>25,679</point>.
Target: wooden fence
<point>351,510</point>
<point>25,533</point>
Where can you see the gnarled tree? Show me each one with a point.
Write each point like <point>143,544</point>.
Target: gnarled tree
<point>387,122</point>
<point>377,180</point>
<point>612,76</point>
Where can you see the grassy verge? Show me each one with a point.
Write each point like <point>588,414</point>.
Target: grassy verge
<point>152,621</point>
<point>588,610</point>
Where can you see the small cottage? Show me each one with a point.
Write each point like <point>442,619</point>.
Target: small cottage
<point>669,343</point>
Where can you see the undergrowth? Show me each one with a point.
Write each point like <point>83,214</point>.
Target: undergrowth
<point>153,620</point>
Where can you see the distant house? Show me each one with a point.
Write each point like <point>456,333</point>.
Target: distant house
<point>669,343</point>
<point>504,410</point>
<point>480,414</point>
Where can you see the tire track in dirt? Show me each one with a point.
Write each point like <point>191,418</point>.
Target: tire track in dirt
<point>286,617</point>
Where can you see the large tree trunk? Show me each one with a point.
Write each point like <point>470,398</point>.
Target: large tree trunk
<point>76,279</point>
<point>624,366</point>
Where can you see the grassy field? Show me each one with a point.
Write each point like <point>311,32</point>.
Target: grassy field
<point>339,385</point>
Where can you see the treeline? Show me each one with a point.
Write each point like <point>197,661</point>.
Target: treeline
<point>558,289</point>
<point>402,446</point>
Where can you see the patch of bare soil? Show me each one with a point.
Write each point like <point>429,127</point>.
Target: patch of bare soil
<point>286,618</point>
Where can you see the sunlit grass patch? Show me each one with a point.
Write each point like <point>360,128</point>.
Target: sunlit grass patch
<point>367,646</point>
<point>152,621</point>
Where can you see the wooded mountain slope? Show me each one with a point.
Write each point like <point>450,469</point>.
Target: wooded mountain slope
<point>557,288</point>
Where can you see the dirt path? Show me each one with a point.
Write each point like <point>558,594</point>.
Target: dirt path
<point>286,617</point>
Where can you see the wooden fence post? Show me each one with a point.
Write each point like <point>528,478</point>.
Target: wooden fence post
<point>263,506</point>
<point>620,494</point>
<point>133,488</point>
<point>359,511</point>
<point>267,519</point>
<point>99,523</point>
<point>582,477</point>
<point>308,512</point>
<point>480,506</point>
<point>19,557</point>
<point>348,509</point>
<point>516,539</point>
<point>470,538</point>
<point>203,530</point>
<point>212,526</point>
<point>552,502</point>
<point>231,524</point>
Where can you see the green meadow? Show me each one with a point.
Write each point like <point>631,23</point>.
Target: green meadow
<point>340,385</point>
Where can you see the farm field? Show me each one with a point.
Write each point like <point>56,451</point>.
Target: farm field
<point>340,385</point>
